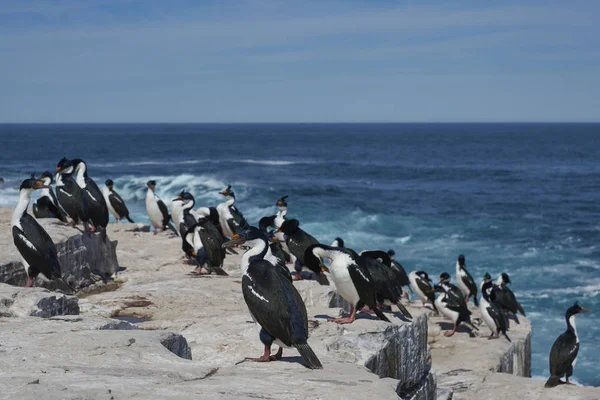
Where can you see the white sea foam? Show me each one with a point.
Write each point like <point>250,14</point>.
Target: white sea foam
<point>269,162</point>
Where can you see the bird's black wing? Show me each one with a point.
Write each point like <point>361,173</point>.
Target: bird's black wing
<point>274,303</point>
<point>455,301</point>
<point>503,298</point>
<point>61,214</point>
<point>400,272</point>
<point>468,280</point>
<point>563,353</point>
<point>163,210</point>
<point>211,241</point>
<point>36,247</point>
<point>298,243</point>
<point>378,255</point>
<point>267,222</point>
<point>365,287</point>
<point>498,316</point>
<point>238,222</point>
<point>426,288</point>
<point>118,204</point>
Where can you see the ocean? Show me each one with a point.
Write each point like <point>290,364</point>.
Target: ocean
<point>519,198</point>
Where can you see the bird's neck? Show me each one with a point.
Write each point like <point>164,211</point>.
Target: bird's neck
<point>282,212</point>
<point>59,180</point>
<point>571,325</point>
<point>229,201</point>
<point>257,251</point>
<point>21,209</point>
<point>189,205</point>
<point>80,178</point>
<point>499,281</point>
<point>150,194</point>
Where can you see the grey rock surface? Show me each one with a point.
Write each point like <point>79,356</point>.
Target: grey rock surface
<point>35,302</point>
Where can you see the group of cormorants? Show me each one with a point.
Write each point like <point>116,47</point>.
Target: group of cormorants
<point>371,280</point>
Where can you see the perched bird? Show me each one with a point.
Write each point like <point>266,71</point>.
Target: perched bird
<point>70,196</point>
<point>47,205</point>
<point>297,241</point>
<point>37,249</point>
<point>352,279</point>
<point>563,355</point>
<point>385,279</point>
<point>465,280</point>
<point>273,301</point>
<point>157,210</point>
<point>450,302</point>
<point>420,284</point>
<point>97,208</point>
<point>230,218</point>
<point>207,248</point>
<point>506,298</point>
<point>116,205</point>
<point>492,313</point>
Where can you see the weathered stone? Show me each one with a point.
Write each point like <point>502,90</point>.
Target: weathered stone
<point>35,302</point>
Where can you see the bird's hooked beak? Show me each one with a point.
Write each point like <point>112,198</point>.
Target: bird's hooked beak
<point>585,310</point>
<point>235,240</point>
<point>324,268</point>
<point>223,192</point>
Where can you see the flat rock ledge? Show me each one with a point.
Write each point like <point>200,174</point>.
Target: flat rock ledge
<point>86,259</point>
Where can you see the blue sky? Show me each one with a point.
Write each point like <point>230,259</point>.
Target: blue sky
<point>305,61</point>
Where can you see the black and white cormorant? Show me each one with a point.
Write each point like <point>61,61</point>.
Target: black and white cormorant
<point>70,195</point>
<point>273,301</point>
<point>37,249</point>
<point>385,279</point>
<point>465,281</point>
<point>420,283</point>
<point>230,218</point>
<point>451,303</point>
<point>297,241</point>
<point>351,278</point>
<point>47,205</point>
<point>116,204</point>
<point>506,298</point>
<point>157,210</point>
<point>207,248</point>
<point>97,208</point>
<point>563,355</point>
<point>274,222</point>
<point>491,312</point>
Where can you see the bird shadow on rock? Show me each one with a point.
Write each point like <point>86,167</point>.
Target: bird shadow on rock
<point>358,316</point>
<point>447,326</point>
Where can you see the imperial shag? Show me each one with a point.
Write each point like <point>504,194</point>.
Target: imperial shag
<point>563,355</point>
<point>273,302</point>
<point>465,280</point>
<point>37,249</point>
<point>230,218</point>
<point>352,279</point>
<point>47,205</point>
<point>115,203</point>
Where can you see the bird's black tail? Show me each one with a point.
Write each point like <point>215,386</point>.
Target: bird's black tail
<point>506,336</point>
<point>520,309</point>
<point>553,381</point>
<point>309,356</point>
<point>379,314</point>
<point>475,301</point>
<point>129,219</point>
<point>403,310</point>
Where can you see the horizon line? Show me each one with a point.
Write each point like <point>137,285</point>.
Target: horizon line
<point>304,123</point>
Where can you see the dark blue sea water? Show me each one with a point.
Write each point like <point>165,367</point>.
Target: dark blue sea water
<point>521,198</point>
